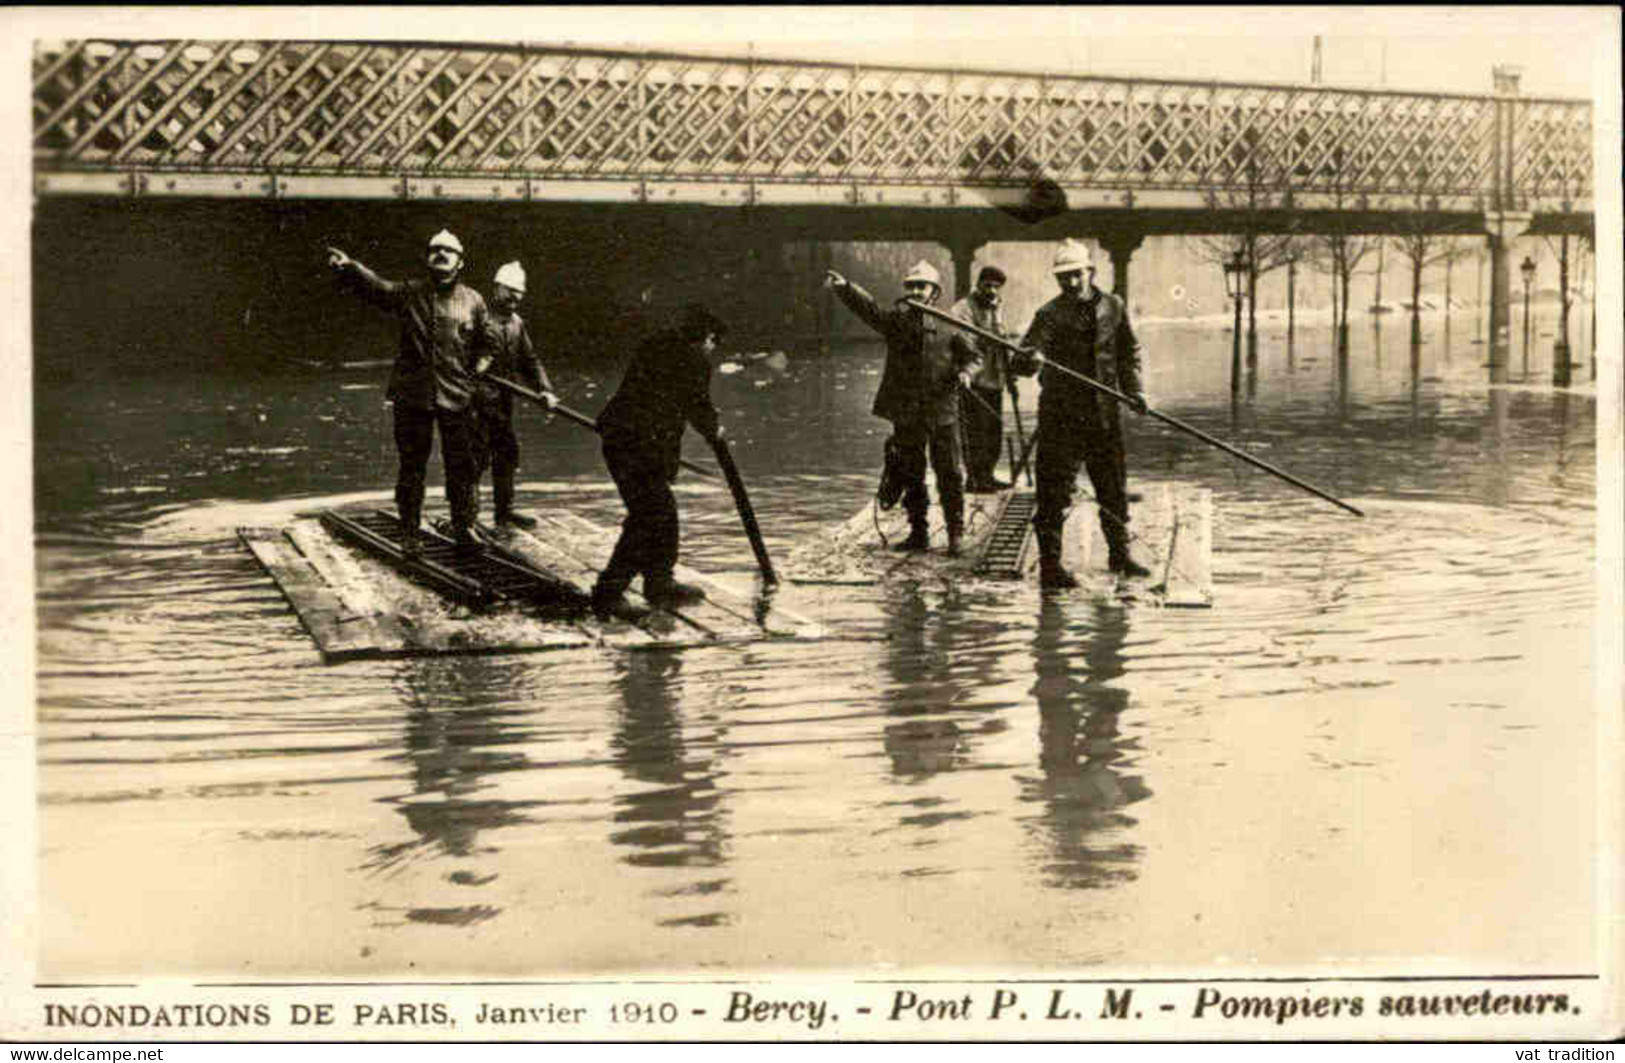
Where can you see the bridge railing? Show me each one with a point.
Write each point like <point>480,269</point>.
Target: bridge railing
<point>438,110</point>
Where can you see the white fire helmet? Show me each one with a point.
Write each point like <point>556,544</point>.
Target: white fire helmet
<point>512,276</point>
<point>445,239</point>
<point>923,271</point>
<point>1072,257</point>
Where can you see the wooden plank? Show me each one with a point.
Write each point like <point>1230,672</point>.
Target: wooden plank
<point>1151,528</point>
<point>1190,565</point>
<point>333,589</point>
<point>1164,520</point>
<point>858,553</point>
<point>729,613</point>
<point>543,551</point>
<point>354,586</point>
<point>761,616</point>
<point>593,545</point>
<point>355,605</point>
<point>324,616</point>
<point>1083,543</point>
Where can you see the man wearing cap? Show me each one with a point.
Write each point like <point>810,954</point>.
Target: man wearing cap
<point>1086,331</point>
<point>666,387</point>
<point>919,395</point>
<point>984,410</point>
<point>447,339</point>
<point>496,443</point>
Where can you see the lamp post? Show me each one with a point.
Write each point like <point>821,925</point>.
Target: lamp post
<point>1233,270</point>
<point>1478,311</point>
<point>1527,270</point>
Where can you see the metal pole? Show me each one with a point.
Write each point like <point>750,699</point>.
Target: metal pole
<point>1235,346</point>
<point>1119,396</point>
<point>1526,327</point>
<point>1478,311</point>
<point>579,418</point>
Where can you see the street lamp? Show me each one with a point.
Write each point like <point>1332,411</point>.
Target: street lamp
<point>1233,270</point>
<point>1527,269</point>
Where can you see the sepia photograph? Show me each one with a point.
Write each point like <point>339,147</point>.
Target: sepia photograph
<point>813,523</point>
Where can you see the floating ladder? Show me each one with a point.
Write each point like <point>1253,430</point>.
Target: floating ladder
<point>1004,555</point>
<point>479,579</point>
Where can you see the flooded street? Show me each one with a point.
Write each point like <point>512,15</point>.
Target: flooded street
<point>1376,752</point>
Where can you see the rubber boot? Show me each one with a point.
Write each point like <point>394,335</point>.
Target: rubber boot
<point>1117,556</point>
<point>1052,575</point>
<point>411,537</point>
<point>668,593</point>
<point>502,502</point>
<point>919,537</point>
<point>467,542</point>
<point>609,597</point>
<point>1124,565</point>
<point>956,542</point>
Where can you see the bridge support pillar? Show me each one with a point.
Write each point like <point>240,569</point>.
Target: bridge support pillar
<point>1120,246</point>
<point>1504,227</point>
<point>964,255</point>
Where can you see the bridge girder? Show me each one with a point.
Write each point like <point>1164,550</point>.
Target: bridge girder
<point>296,119</point>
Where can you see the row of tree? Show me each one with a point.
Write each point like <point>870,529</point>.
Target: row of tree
<point>1266,214</point>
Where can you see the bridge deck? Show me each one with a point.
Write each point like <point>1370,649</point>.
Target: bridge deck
<point>281,119</point>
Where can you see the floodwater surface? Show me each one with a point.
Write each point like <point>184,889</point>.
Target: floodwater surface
<point>1376,752</point>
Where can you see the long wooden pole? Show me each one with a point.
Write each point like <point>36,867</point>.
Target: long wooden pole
<point>579,418</point>
<point>747,515</point>
<point>1119,396</point>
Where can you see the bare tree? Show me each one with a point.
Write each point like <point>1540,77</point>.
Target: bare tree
<point>1564,166</point>
<point>1589,240</point>
<point>1296,251</point>
<point>1340,245</point>
<point>1452,252</point>
<point>1257,208</point>
<point>1565,294</point>
<point>1420,245</point>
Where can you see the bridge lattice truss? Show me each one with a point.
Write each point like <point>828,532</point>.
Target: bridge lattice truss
<point>285,117</point>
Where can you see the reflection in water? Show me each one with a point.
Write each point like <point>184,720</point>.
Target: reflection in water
<point>675,821</point>
<point>1560,416</point>
<point>1085,785</point>
<point>1416,383</point>
<point>938,655</point>
<point>455,724</point>
<point>921,686</point>
<point>1498,486</point>
<point>1342,382</point>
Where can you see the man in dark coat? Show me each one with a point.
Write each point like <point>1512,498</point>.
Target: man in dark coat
<point>919,395</point>
<point>667,387</point>
<point>1087,331</point>
<point>984,413</point>
<point>447,340</point>
<point>497,442</point>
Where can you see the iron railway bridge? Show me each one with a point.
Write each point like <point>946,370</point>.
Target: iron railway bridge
<point>851,152</point>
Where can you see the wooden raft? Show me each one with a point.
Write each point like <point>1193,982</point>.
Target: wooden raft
<point>1171,533</point>
<point>355,606</point>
